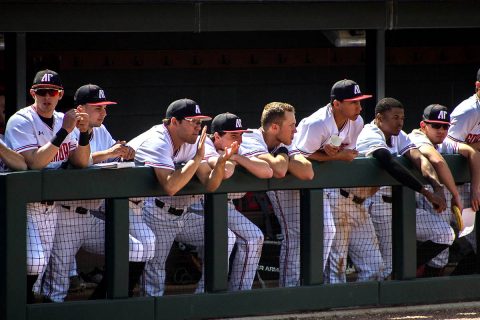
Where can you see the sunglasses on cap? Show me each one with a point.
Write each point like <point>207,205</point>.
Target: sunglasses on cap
<point>43,92</point>
<point>438,125</point>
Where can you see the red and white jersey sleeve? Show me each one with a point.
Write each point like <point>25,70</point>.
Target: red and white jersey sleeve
<point>154,148</point>
<point>254,145</point>
<point>210,151</point>
<point>100,140</point>
<point>26,131</point>
<point>448,146</point>
<point>465,121</point>
<point>371,138</point>
<point>314,131</point>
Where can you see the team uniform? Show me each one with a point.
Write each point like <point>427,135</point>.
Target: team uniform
<point>167,216</point>
<point>82,224</point>
<point>249,237</point>
<point>465,127</point>
<point>26,131</point>
<point>428,226</point>
<point>448,146</point>
<point>288,216</point>
<point>350,231</point>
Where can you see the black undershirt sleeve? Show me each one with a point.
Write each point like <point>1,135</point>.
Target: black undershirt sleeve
<point>397,170</point>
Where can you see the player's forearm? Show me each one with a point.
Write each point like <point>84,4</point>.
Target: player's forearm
<point>41,157</point>
<point>255,166</point>
<point>176,180</point>
<point>321,156</point>
<point>279,164</point>
<point>12,159</point>
<point>216,176</point>
<point>474,162</point>
<point>100,156</point>
<point>445,176</point>
<point>80,157</point>
<point>300,167</point>
<point>428,172</point>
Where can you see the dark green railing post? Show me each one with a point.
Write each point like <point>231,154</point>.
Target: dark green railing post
<point>404,244</point>
<point>216,242</point>
<point>116,248</point>
<point>311,235</point>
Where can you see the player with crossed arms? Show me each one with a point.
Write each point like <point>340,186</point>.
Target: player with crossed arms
<point>272,142</point>
<point>165,148</point>
<point>226,129</point>
<point>431,139</point>
<point>44,138</point>
<point>352,233</point>
<point>384,140</point>
<point>78,226</point>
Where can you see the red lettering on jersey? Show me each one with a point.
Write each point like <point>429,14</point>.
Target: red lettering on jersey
<point>63,153</point>
<point>472,138</point>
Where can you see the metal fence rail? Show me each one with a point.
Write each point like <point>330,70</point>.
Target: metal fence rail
<point>19,188</point>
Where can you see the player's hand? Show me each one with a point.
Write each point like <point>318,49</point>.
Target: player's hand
<point>201,144</point>
<point>475,199</point>
<point>457,201</point>
<point>330,150</point>
<point>69,120</point>
<point>121,150</point>
<point>437,199</point>
<point>229,151</point>
<point>82,119</point>
<point>347,155</point>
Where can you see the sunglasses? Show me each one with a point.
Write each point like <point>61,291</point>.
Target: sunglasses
<point>438,125</point>
<point>194,122</point>
<point>50,92</point>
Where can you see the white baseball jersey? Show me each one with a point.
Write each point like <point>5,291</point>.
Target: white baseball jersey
<point>448,146</point>
<point>154,148</point>
<point>372,138</point>
<point>100,140</point>
<point>314,131</point>
<point>254,145</point>
<point>26,131</point>
<point>465,120</point>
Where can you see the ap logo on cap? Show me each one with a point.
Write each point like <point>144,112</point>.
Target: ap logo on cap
<point>197,109</point>
<point>101,94</point>
<point>442,115</point>
<point>238,123</point>
<point>356,89</point>
<point>46,77</point>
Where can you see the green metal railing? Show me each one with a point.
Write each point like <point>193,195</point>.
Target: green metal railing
<point>19,188</point>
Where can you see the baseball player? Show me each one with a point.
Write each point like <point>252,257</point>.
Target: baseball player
<point>350,231</point>
<point>227,128</point>
<point>44,138</point>
<point>465,127</point>
<point>272,142</point>
<point>165,147</point>
<point>431,140</point>
<point>384,140</point>
<point>78,226</point>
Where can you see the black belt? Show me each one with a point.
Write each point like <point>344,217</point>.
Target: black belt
<point>171,210</point>
<point>48,203</point>
<point>387,199</point>
<point>79,210</point>
<point>355,199</point>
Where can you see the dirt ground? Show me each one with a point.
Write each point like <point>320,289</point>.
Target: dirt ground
<point>451,311</point>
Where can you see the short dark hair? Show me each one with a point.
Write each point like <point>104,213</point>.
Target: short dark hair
<point>387,104</point>
<point>274,112</point>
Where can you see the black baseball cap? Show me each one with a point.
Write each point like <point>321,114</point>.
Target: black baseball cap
<point>91,94</point>
<point>185,109</point>
<point>347,90</point>
<point>436,113</point>
<point>227,122</point>
<point>47,79</point>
